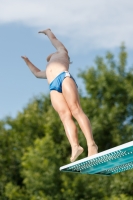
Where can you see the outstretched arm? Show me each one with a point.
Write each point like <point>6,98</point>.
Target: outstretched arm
<point>55,42</point>
<point>37,72</point>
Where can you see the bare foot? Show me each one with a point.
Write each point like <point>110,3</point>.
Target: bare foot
<point>44,31</point>
<point>92,150</point>
<point>76,151</point>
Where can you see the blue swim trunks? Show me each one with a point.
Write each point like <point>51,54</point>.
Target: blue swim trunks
<point>56,84</point>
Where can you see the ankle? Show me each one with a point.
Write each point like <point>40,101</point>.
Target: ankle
<point>75,145</point>
<point>90,144</point>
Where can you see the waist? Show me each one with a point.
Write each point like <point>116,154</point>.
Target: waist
<point>54,70</point>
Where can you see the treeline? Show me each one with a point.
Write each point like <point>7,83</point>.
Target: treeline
<point>33,145</point>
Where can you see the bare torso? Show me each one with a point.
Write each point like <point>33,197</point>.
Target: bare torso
<point>58,62</point>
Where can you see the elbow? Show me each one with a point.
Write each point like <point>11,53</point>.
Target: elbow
<point>35,74</point>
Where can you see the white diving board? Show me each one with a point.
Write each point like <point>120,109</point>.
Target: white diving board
<point>109,162</point>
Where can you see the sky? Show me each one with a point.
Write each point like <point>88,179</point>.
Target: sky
<point>87,28</point>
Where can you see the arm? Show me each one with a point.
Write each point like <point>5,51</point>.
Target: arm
<point>55,42</point>
<point>37,72</point>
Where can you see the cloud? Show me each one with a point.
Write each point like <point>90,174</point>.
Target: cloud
<point>94,24</point>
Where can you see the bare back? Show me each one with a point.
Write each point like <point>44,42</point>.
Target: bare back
<point>58,62</point>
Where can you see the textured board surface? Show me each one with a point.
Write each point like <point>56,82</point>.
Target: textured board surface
<point>112,161</point>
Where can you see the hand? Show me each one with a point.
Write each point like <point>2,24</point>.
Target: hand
<point>25,59</point>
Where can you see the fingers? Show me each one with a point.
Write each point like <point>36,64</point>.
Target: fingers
<point>24,57</point>
<point>42,32</point>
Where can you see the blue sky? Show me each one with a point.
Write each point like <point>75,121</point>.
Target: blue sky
<point>87,28</point>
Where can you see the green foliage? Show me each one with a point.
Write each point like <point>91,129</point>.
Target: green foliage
<point>14,192</point>
<point>119,197</point>
<point>34,145</point>
<point>109,101</point>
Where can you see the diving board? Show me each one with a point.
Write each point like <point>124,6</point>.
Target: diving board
<point>109,162</point>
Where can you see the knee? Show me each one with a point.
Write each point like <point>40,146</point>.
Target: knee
<point>64,115</point>
<point>76,110</point>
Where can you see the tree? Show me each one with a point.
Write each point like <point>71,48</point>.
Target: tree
<point>34,145</point>
<point>109,100</point>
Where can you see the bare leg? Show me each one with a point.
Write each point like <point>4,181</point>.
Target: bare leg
<point>85,126</point>
<point>71,132</point>
<point>61,107</point>
<point>71,96</point>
